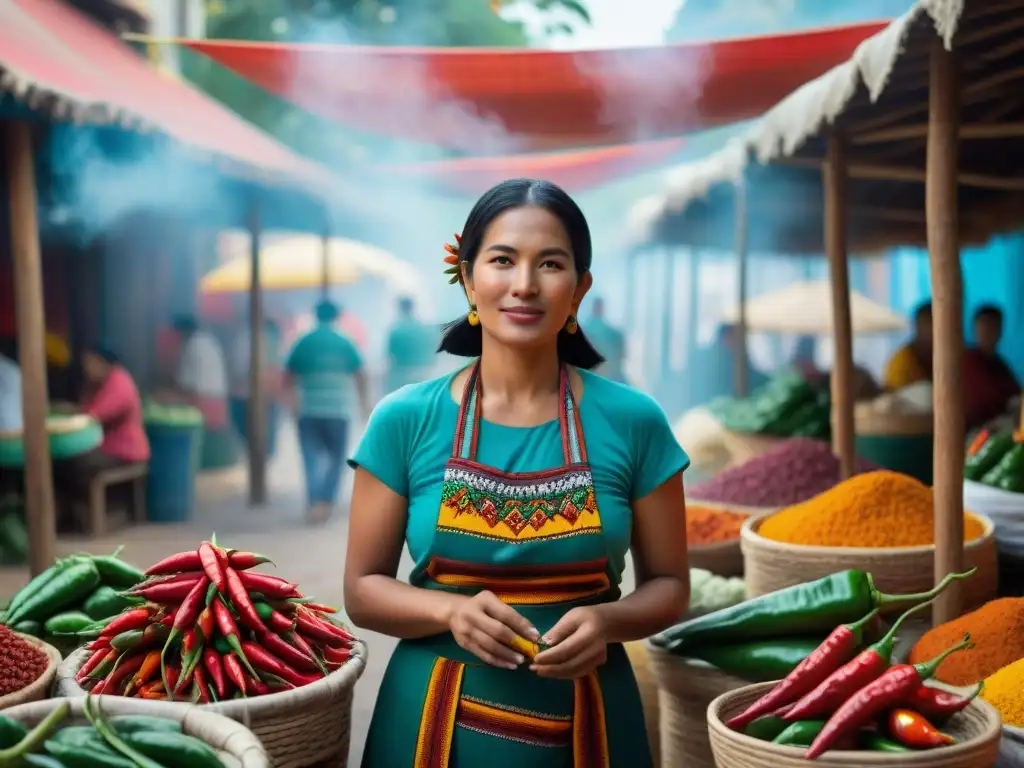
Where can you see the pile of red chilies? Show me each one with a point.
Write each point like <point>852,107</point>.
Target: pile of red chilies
<point>213,629</point>
<point>839,696</point>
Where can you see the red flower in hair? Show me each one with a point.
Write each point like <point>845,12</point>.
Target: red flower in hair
<point>452,260</point>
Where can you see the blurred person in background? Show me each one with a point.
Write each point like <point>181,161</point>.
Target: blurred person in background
<point>989,382</point>
<point>519,484</point>
<point>200,375</point>
<point>325,376</point>
<point>10,389</point>
<point>912,363</point>
<point>804,359</point>
<point>111,397</point>
<point>412,348</point>
<point>609,341</point>
<point>241,378</point>
<point>712,371</point>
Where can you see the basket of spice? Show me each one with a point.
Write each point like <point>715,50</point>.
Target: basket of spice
<point>881,522</point>
<point>236,641</point>
<point>770,637</point>
<point>107,731</point>
<point>27,668</point>
<point>713,536</point>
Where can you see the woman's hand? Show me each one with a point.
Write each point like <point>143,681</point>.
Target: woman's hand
<point>578,645</point>
<point>487,628</point>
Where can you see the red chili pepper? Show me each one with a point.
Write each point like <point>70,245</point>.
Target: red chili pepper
<point>287,653</point>
<point>229,630</point>
<point>191,655</point>
<point>99,644</point>
<point>914,730</point>
<point>202,684</point>
<point>153,690</point>
<point>94,661</point>
<point>258,687</point>
<point>175,578</point>
<point>836,650</point>
<point>243,561</point>
<point>338,656</point>
<point>315,628</point>
<point>189,610</point>
<point>205,624</point>
<point>242,602</point>
<point>873,699</point>
<point>330,610</point>
<point>98,688</point>
<point>183,561</point>
<point>279,622</point>
<point>233,669</point>
<point>212,662</point>
<point>839,686</point>
<point>170,593</point>
<point>265,584</point>
<point>173,673</point>
<point>265,660</point>
<point>136,618</point>
<point>939,705</point>
<point>168,620</point>
<point>212,566</point>
<point>301,643</point>
<point>125,667</point>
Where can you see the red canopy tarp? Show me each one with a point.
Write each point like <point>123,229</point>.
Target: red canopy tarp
<point>575,171</point>
<point>498,100</point>
<point>50,51</point>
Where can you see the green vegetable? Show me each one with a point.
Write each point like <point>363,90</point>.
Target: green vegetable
<point>766,728</point>
<point>11,732</point>
<point>800,733</point>
<point>106,602</point>
<point>35,737</point>
<point>174,750</point>
<point>78,735</point>
<point>113,740</point>
<point>33,628</point>
<point>128,640</point>
<point>68,587</point>
<point>42,761</point>
<point>125,724</point>
<point>223,646</point>
<point>876,742</point>
<point>39,581</point>
<point>117,573</point>
<point>985,458</point>
<point>68,623</point>
<point>758,661</point>
<point>95,755</point>
<point>1009,469</point>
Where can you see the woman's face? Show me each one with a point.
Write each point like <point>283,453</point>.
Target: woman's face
<point>94,367</point>
<point>524,282</point>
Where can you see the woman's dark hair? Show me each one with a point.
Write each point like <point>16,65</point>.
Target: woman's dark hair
<point>104,353</point>
<point>461,338</point>
<point>327,311</point>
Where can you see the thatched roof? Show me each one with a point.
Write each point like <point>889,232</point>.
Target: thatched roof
<point>878,101</point>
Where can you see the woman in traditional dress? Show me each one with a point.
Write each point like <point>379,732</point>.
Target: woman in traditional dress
<point>519,484</point>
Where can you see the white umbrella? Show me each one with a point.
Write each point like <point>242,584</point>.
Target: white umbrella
<point>806,309</point>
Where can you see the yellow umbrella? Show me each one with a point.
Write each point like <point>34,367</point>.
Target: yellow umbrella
<point>297,262</point>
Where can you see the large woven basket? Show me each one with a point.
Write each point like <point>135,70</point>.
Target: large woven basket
<point>236,745</point>
<point>723,558</point>
<point>685,689</point>
<point>647,682</point>
<point>305,726</point>
<point>977,730</point>
<point>38,689</point>
<point>772,565</point>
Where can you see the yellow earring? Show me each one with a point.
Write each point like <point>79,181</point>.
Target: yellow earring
<point>473,317</point>
<point>571,325</point>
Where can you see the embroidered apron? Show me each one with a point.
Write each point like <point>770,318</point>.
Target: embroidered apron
<point>536,540</point>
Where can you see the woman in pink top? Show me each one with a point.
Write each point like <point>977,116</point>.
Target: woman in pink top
<point>111,398</point>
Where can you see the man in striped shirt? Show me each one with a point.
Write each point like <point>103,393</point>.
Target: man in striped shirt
<point>324,370</point>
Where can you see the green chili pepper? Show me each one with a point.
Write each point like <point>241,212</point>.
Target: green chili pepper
<point>33,628</point>
<point>758,661</point>
<point>222,646</point>
<point>117,573</point>
<point>67,588</point>
<point>126,724</point>
<point>988,455</point>
<point>77,736</point>
<point>95,755</point>
<point>106,602</point>
<point>174,750</point>
<point>766,728</point>
<point>800,733</point>
<point>42,761</point>
<point>1010,466</point>
<point>113,740</point>
<point>11,732</point>
<point>41,580</point>
<point>35,737</point>
<point>814,607</point>
<point>876,742</point>
<point>67,623</point>
<point>127,641</point>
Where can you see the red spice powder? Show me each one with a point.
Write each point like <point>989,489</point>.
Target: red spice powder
<point>21,663</point>
<point>706,525</point>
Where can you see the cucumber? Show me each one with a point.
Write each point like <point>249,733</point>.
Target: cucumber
<point>11,732</point>
<point>33,628</point>
<point>67,623</point>
<point>125,724</point>
<point>106,602</point>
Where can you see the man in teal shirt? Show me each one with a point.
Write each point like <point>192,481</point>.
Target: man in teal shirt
<point>609,341</point>
<point>412,348</point>
<point>324,370</point>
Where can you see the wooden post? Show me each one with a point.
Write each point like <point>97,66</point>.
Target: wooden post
<point>668,294</point>
<point>742,225</point>
<point>31,320</point>
<point>842,330</point>
<point>947,318</point>
<point>325,263</point>
<point>257,412</point>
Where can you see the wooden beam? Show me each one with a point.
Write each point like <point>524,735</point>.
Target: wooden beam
<point>947,313</point>
<point>834,174</point>
<point>257,411</point>
<point>865,171</point>
<point>987,32</point>
<point>742,225</point>
<point>31,320</point>
<point>920,131</point>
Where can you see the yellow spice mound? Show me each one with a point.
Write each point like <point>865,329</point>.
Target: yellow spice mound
<point>876,510</point>
<point>1003,691</point>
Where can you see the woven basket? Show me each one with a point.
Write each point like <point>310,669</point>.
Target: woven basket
<point>744,446</point>
<point>236,745</point>
<point>647,682</point>
<point>723,558</point>
<point>37,690</point>
<point>772,565</point>
<point>685,689</point>
<point>305,726</point>
<point>977,730</point>
<point>869,421</point>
